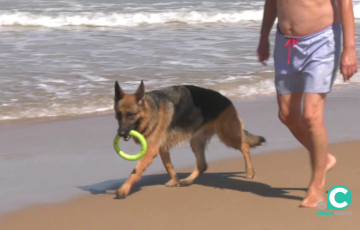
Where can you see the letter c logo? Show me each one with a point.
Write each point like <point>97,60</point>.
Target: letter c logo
<point>343,198</point>
<point>332,198</point>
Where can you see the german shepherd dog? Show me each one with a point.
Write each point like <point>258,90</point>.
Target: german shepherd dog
<point>176,114</point>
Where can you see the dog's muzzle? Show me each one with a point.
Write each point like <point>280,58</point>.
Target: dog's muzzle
<point>124,134</point>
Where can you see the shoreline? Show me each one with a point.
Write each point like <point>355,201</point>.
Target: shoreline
<point>221,194</point>
<point>31,120</point>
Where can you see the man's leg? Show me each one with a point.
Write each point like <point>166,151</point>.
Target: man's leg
<point>314,104</point>
<point>290,115</point>
<point>303,129</point>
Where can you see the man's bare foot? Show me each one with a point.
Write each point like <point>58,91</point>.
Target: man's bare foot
<point>331,162</point>
<point>313,198</point>
<point>315,194</point>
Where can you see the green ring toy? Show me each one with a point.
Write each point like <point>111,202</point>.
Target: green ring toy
<point>128,157</point>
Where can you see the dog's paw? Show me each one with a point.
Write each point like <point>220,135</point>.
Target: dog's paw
<point>122,193</point>
<point>172,183</point>
<point>185,182</point>
<point>250,175</point>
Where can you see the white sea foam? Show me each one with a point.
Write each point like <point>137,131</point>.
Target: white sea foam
<point>102,19</point>
<point>55,111</point>
<point>180,63</point>
<point>94,78</point>
<point>118,19</point>
<point>262,87</point>
<point>266,86</point>
<point>357,11</point>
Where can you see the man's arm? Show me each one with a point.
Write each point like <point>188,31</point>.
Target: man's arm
<point>269,16</point>
<point>348,64</point>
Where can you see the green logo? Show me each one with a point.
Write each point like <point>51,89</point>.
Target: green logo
<point>339,198</point>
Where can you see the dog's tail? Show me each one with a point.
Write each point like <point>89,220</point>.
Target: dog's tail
<point>253,140</point>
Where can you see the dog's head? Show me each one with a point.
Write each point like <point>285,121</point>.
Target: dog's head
<point>128,109</point>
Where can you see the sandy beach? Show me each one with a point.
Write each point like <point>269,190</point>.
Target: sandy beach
<point>62,174</point>
<point>220,199</point>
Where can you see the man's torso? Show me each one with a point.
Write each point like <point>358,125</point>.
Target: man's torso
<point>304,17</point>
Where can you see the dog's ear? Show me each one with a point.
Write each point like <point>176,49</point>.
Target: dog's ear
<point>140,91</point>
<point>119,93</point>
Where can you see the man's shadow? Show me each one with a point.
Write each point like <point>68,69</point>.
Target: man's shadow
<point>229,180</point>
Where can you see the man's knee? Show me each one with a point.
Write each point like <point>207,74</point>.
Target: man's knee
<point>313,118</point>
<point>290,109</point>
<point>289,119</point>
<point>283,117</point>
<point>314,111</point>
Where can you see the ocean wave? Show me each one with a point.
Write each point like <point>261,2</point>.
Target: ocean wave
<point>132,19</point>
<point>102,19</point>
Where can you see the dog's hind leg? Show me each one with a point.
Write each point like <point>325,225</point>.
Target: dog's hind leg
<point>198,147</point>
<point>229,128</point>
<point>165,157</point>
<point>143,163</point>
<point>198,144</point>
<point>245,149</point>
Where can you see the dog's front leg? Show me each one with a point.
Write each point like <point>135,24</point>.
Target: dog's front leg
<point>165,157</point>
<point>144,162</point>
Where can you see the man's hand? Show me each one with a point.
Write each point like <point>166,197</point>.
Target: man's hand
<point>263,51</point>
<point>348,63</point>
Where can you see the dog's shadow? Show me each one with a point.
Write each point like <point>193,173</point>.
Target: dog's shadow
<point>229,180</point>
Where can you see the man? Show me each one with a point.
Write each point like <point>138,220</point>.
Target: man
<point>306,59</point>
